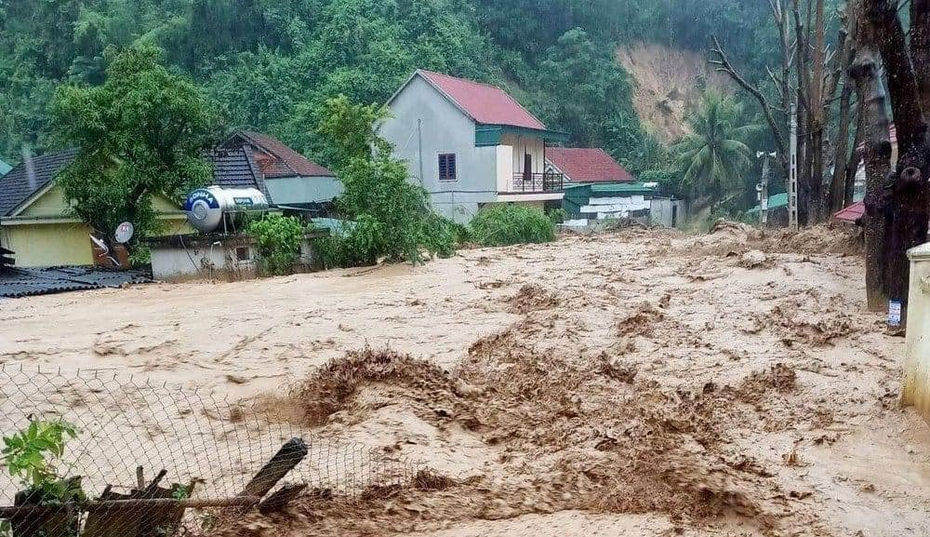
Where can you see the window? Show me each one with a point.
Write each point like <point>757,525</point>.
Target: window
<point>447,171</point>
<point>242,253</point>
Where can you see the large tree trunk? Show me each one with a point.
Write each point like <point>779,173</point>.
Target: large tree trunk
<point>907,193</point>
<point>920,50</point>
<point>877,164</point>
<point>817,118</point>
<point>839,183</point>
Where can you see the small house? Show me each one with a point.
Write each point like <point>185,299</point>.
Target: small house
<point>292,180</point>
<point>582,166</point>
<point>36,224</point>
<point>471,144</point>
<point>599,188</point>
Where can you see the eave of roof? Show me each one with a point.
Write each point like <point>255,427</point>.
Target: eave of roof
<point>484,103</point>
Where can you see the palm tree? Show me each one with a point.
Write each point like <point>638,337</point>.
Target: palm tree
<point>714,155</point>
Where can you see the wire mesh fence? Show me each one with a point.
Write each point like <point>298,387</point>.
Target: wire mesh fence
<point>95,453</point>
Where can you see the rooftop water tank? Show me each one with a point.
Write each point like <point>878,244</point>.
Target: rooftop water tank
<point>208,209</point>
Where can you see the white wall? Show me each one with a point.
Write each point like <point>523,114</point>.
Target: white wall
<point>443,129</point>
<point>522,145</point>
<point>667,212</point>
<point>296,190</point>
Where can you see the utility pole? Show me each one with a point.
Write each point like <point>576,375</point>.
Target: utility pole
<point>763,189</point>
<point>420,148</point>
<point>793,170</point>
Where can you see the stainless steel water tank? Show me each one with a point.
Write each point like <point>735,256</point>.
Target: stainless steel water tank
<point>207,208</point>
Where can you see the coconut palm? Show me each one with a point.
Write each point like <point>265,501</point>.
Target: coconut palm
<point>714,156</point>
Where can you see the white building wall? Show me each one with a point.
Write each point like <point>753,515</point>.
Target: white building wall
<point>296,190</point>
<point>523,145</point>
<point>421,116</point>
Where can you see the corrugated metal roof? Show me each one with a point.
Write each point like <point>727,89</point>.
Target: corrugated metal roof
<point>17,186</point>
<point>851,214</point>
<point>17,283</point>
<point>581,165</point>
<point>632,188</point>
<point>778,201</point>
<point>484,103</point>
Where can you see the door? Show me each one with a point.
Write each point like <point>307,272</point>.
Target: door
<point>527,167</point>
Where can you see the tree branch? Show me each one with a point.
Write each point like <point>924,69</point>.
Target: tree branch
<point>727,67</point>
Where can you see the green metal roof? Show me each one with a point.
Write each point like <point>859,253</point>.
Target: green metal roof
<point>631,188</point>
<point>775,202</point>
<point>4,168</point>
<point>614,188</point>
<point>490,135</point>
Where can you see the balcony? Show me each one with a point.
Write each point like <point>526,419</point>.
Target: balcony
<point>525,183</point>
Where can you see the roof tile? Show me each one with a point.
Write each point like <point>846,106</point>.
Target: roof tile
<point>588,165</point>
<point>289,163</point>
<point>484,103</point>
<point>17,186</point>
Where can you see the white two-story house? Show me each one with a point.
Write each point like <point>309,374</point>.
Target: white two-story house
<point>470,144</point>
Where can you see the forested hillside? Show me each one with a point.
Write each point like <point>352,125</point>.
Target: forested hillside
<point>270,64</point>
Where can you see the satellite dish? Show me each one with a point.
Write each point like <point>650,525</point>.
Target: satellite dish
<point>124,232</point>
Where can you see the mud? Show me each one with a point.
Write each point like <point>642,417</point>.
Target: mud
<point>641,382</point>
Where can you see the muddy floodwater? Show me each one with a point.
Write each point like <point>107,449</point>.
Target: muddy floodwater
<point>643,382</point>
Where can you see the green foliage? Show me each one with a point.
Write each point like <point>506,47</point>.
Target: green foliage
<point>278,239</point>
<point>272,65</point>
<point>557,216</point>
<point>31,456</point>
<point>505,224</point>
<point>349,128</point>
<point>391,215</point>
<point>140,134</point>
<point>589,95</point>
<point>714,157</point>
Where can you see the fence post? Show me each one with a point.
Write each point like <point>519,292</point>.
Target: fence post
<point>916,390</point>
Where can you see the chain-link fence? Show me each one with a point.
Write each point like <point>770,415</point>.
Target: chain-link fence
<point>95,453</point>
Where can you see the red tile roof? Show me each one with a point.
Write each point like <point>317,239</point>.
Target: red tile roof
<point>288,163</point>
<point>484,103</point>
<point>851,214</point>
<point>588,165</point>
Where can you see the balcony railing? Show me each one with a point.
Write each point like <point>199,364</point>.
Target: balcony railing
<point>538,182</point>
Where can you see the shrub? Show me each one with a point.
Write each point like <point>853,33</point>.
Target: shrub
<point>31,456</point>
<point>502,225</point>
<point>557,216</point>
<point>278,239</point>
<point>391,215</point>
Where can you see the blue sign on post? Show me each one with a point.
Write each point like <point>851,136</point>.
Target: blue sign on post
<point>894,313</point>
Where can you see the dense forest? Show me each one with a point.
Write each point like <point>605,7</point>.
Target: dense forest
<point>271,64</point>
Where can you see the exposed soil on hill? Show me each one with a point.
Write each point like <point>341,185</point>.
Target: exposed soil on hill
<point>668,84</point>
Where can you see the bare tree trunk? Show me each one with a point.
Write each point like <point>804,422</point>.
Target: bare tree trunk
<point>855,157</point>
<point>804,168</point>
<point>838,183</point>
<point>817,118</point>
<point>877,164</point>
<point>907,194</point>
